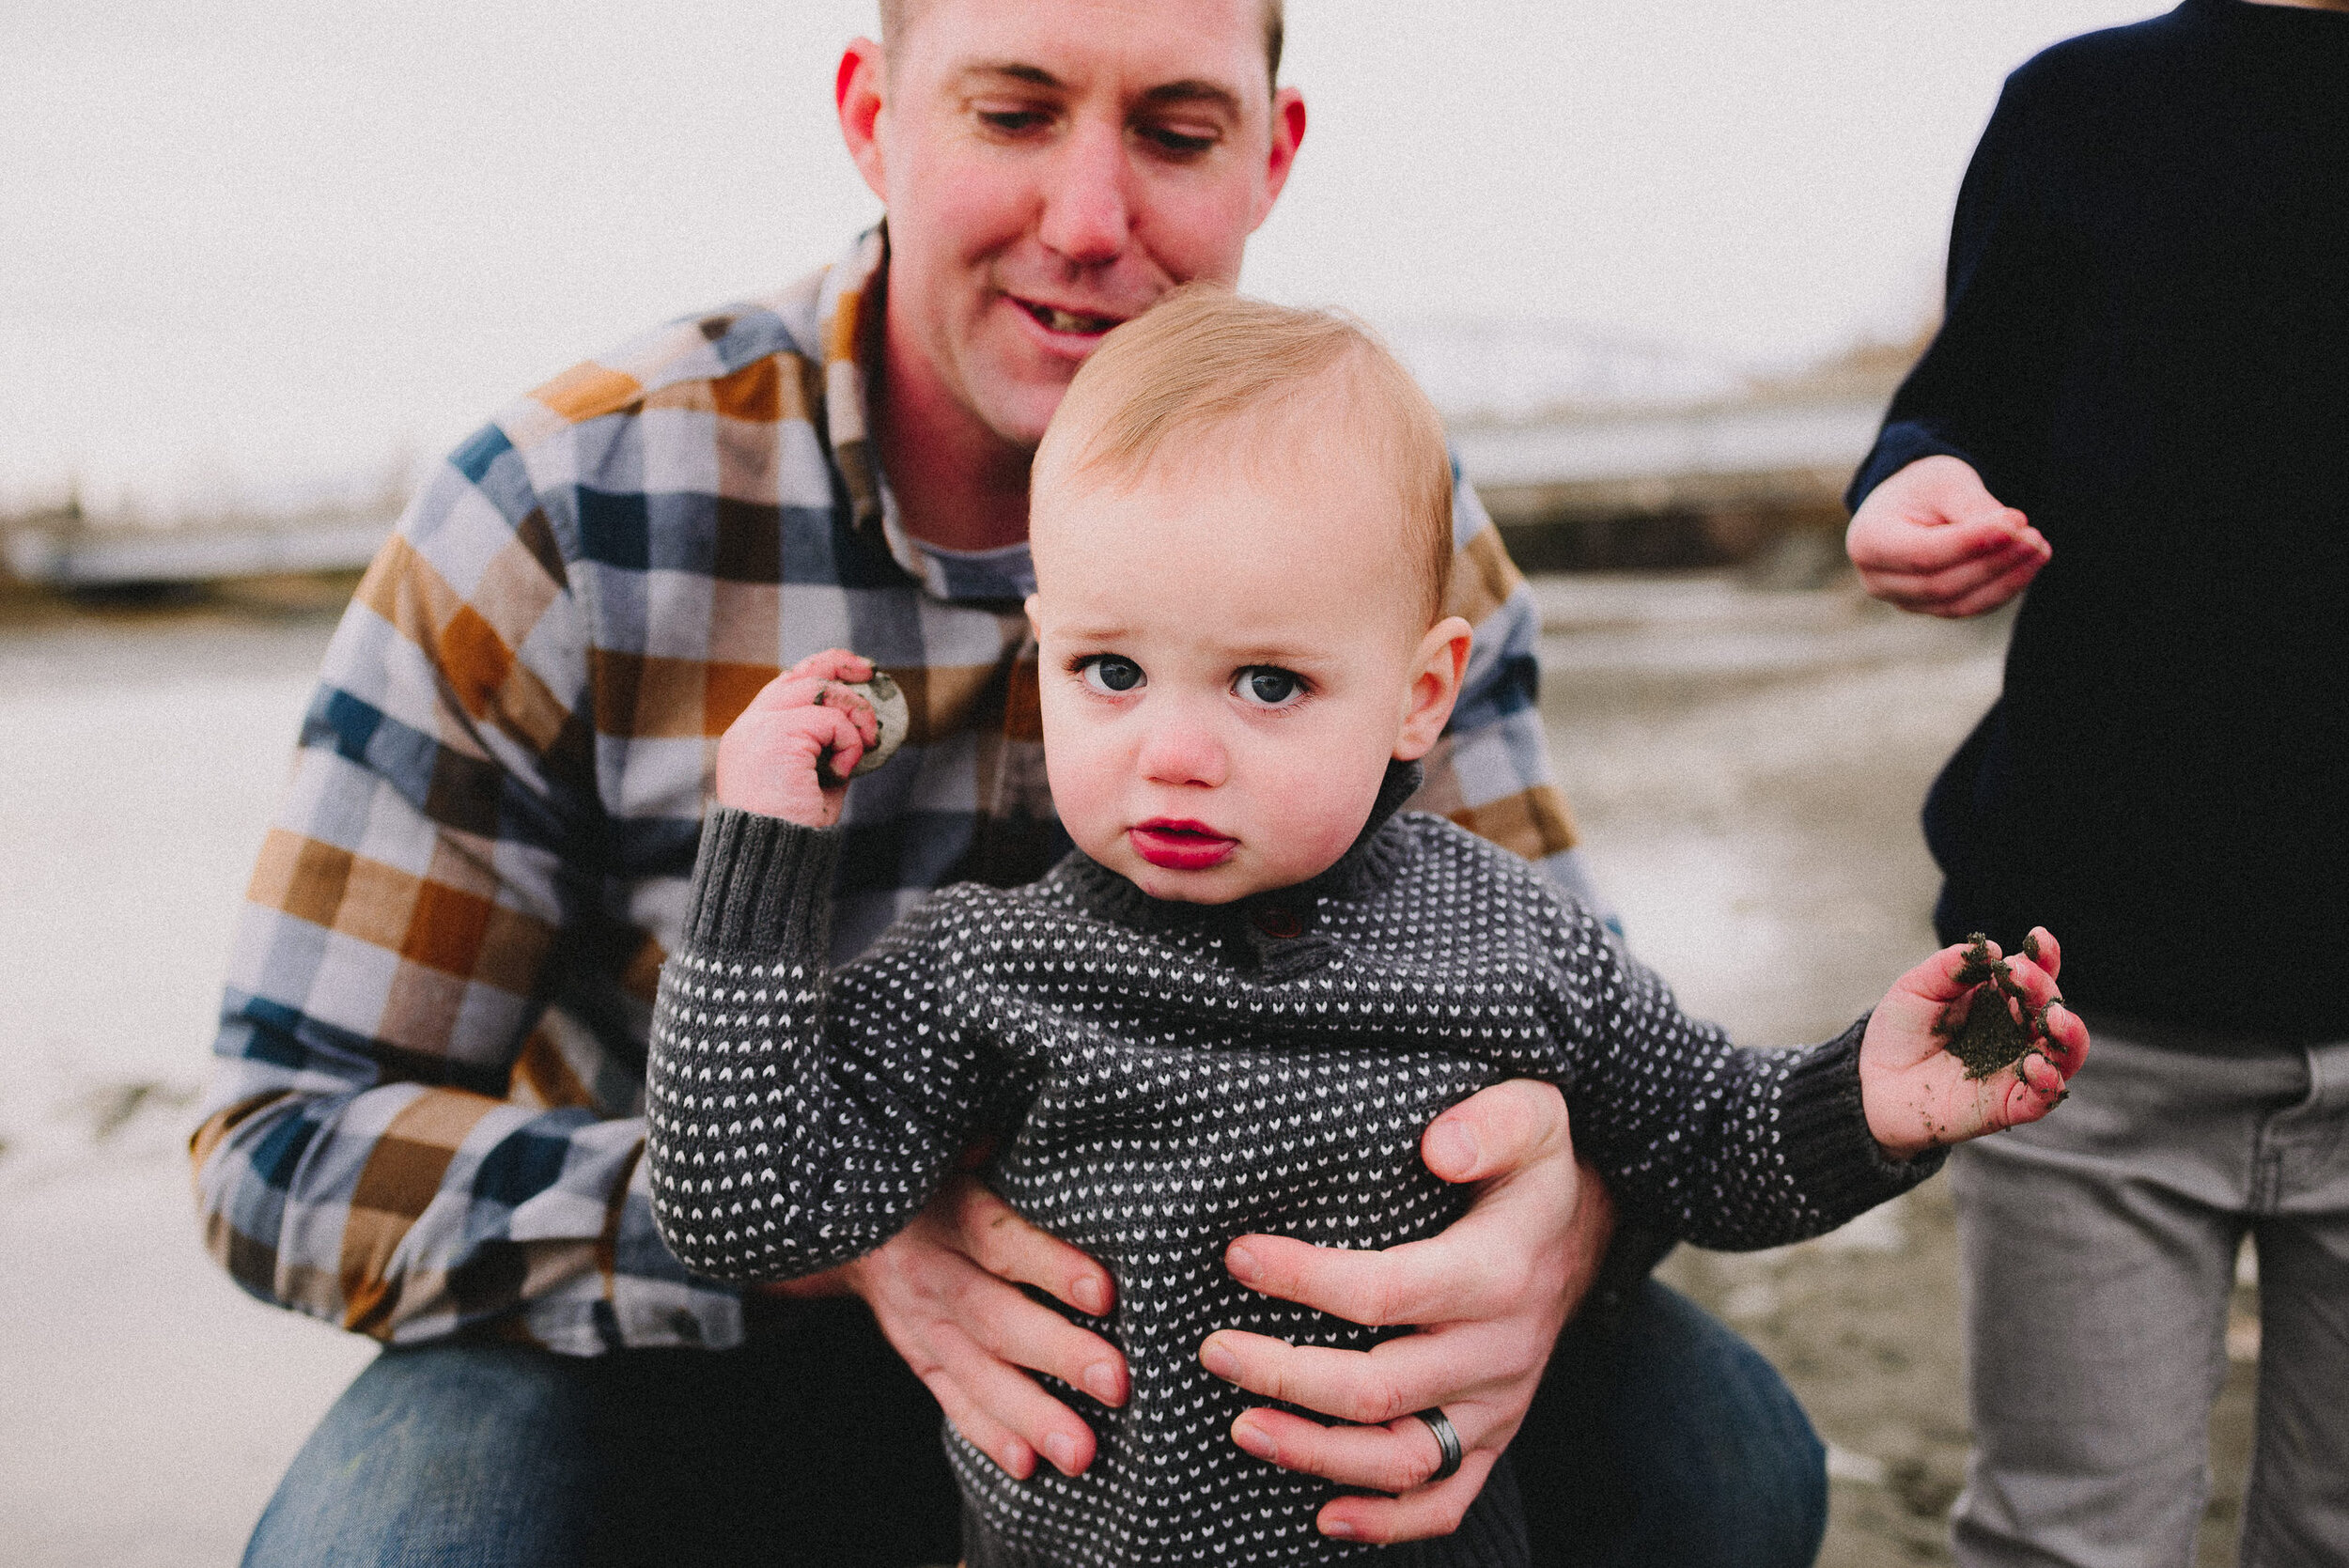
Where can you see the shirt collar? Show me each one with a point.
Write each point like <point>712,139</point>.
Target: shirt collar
<point>848,307</point>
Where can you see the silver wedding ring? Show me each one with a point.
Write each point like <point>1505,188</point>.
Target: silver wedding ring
<point>1447,1438</point>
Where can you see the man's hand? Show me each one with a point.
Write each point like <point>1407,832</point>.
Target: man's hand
<point>1933,539</point>
<point>1917,1095</point>
<point>1488,1296</point>
<point>939,1291</point>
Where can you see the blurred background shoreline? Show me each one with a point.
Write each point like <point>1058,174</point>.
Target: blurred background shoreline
<point>1660,267</point>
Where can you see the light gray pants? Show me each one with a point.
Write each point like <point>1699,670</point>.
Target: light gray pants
<point>2099,1251</point>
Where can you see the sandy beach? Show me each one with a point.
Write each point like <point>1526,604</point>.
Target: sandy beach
<point>1745,766</point>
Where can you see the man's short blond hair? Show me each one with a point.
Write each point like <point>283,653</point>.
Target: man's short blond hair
<point>1204,359</point>
<point>897,14</point>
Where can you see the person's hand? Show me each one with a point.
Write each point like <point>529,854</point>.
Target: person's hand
<point>1917,1094</point>
<point>939,1291</point>
<point>772,759</point>
<point>1487,1296</point>
<point>1931,538</point>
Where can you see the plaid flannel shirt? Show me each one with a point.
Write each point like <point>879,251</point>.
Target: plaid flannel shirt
<point>427,1111</point>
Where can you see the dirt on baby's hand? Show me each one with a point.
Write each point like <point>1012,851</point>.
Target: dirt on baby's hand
<point>1987,1034</point>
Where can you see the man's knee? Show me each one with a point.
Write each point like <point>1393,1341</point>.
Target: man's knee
<point>1669,1440</point>
<point>469,1454</point>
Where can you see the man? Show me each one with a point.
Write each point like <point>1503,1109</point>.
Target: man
<point>2145,350</point>
<point>425,1124</point>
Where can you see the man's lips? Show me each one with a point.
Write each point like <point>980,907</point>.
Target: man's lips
<point>1180,846</point>
<point>1075,323</point>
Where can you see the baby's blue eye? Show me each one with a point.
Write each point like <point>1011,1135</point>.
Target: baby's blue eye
<point>1112,674</point>
<point>1268,685</point>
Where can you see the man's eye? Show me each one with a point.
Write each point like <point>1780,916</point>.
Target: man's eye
<point>1177,144</point>
<point>1012,122</point>
<point>1110,675</point>
<point>1268,685</point>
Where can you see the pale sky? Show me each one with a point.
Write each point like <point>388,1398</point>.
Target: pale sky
<point>266,245</point>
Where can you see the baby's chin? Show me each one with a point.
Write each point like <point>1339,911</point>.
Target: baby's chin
<point>1222,884</point>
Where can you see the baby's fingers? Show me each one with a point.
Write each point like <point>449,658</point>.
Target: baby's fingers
<point>851,729</point>
<point>859,710</point>
<point>832,665</point>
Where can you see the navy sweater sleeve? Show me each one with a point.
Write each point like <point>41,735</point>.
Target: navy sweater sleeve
<point>1982,392</point>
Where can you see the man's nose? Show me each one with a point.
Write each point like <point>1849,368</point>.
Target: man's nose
<point>1182,749</point>
<point>1087,218</point>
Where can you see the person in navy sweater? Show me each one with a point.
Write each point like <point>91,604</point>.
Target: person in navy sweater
<point>2137,406</point>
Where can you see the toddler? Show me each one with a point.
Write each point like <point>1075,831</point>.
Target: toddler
<point>1235,1008</point>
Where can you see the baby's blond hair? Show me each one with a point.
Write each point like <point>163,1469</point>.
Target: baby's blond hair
<point>1203,357</point>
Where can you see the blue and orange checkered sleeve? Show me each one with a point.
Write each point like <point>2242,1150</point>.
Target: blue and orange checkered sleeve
<point>393,1141</point>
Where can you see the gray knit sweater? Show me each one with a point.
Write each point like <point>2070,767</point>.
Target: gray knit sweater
<point>1163,1077</point>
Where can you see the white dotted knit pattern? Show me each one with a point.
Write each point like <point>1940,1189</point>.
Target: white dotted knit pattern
<point>1162,1087</point>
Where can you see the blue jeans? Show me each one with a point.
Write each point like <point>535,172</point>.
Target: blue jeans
<point>1664,1441</point>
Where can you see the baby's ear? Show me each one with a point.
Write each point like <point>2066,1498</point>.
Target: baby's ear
<point>1035,627</point>
<point>1435,686</point>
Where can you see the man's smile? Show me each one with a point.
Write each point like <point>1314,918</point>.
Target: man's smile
<point>1057,319</point>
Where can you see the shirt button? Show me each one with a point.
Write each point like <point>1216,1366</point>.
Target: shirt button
<point>1275,920</point>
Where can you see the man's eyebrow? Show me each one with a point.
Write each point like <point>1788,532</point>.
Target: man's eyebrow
<point>1191,91</point>
<point>1011,71</point>
<point>1166,95</point>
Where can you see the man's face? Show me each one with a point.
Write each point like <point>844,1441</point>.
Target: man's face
<point>1051,167</point>
<point>1230,650</point>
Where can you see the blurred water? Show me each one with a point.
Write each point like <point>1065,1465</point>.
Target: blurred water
<point>143,761</point>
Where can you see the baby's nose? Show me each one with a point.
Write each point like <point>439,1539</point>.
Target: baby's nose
<point>1184,752</point>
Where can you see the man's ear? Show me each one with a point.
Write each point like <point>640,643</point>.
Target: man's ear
<point>859,94</point>
<point>1288,133</point>
<point>1442,658</point>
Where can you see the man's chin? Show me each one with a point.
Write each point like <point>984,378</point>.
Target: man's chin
<point>1017,416</point>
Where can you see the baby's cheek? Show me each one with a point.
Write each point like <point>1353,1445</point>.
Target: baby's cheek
<point>1085,794</point>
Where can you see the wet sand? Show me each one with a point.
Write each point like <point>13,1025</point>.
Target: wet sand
<point>1745,767</point>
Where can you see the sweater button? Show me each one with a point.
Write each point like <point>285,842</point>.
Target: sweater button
<point>1275,920</point>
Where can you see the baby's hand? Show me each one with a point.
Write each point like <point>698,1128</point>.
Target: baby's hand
<point>1918,1094</point>
<point>789,752</point>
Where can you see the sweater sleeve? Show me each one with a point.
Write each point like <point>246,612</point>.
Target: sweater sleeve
<point>796,1117</point>
<point>1982,389</point>
<point>1710,1143</point>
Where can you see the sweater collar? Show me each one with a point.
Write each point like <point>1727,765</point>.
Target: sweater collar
<point>1366,865</point>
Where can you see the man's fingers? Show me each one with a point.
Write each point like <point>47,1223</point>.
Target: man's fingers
<point>1000,1443</point>
<point>1016,1330</point>
<point>1396,1457</point>
<point>1446,1278</point>
<point>1370,1387</point>
<point>1009,1418</point>
<point>1418,1515</point>
<point>1009,1248</point>
<point>1496,1130</point>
